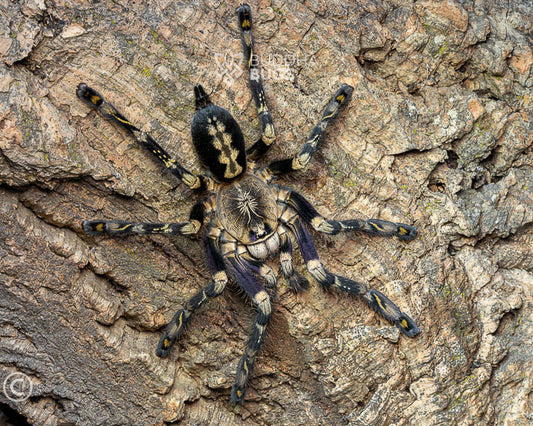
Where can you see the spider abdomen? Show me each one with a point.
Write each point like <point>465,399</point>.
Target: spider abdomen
<point>248,210</point>
<point>219,142</point>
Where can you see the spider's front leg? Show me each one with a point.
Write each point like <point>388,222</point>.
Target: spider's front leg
<point>379,227</point>
<point>180,320</point>
<point>296,281</point>
<point>261,299</point>
<point>268,133</point>
<point>120,227</point>
<point>95,100</point>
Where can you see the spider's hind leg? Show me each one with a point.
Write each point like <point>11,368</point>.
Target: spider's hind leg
<point>95,100</point>
<point>268,134</point>
<point>296,281</point>
<point>375,299</point>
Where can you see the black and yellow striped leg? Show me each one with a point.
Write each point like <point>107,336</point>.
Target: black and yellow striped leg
<point>95,100</point>
<point>382,228</point>
<point>339,100</point>
<point>268,133</point>
<point>375,299</point>
<point>264,311</point>
<point>119,227</point>
<point>180,320</point>
<point>296,281</point>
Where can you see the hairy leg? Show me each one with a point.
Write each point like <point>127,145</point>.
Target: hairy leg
<point>373,298</point>
<point>300,161</point>
<point>177,325</point>
<point>95,100</point>
<point>119,227</point>
<point>261,299</point>
<point>268,134</point>
<point>296,281</point>
<point>372,226</point>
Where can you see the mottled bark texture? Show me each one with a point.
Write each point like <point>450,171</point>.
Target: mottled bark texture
<point>438,135</point>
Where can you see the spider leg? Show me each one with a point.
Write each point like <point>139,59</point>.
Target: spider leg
<point>295,280</point>
<point>119,227</point>
<point>268,133</point>
<point>299,162</point>
<point>375,299</point>
<point>260,269</point>
<point>95,100</point>
<point>379,227</point>
<point>261,299</point>
<point>180,320</point>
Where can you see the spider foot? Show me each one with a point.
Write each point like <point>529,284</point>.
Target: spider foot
<point>406,232</point>
<point>238,390</point>
<point>386,308</point>
<point>90,96</point>
<point>237,395</point>
<point>343,95</point>
<point>99,227</point>
<point>171,334</point>
<point>244,13</point>
<point>388,229</point>
<point>164,346</point>
<point>298,282</point>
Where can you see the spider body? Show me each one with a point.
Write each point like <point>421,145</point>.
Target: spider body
<point>218,139</point>
<point>248,218</point>
<point>248,210</point>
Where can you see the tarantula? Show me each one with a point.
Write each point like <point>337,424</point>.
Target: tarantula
<point>249,219</point>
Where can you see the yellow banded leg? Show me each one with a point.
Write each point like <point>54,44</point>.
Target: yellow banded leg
<point>375,299</point>
<point>299,162</point>
<point>268,133</point>
<point>382,228</point>
<point>180,320</point>
<point>246,363</point>
<point>246,279</point>
<point>217,285</point>
<point>95,100</point>
<point>119,227</point>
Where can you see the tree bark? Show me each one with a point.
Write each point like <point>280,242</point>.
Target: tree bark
<point>437,135</point>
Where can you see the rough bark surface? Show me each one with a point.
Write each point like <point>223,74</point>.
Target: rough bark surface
<point>438,134</point>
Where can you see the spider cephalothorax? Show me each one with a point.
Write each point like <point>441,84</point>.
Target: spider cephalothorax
<point>248,210</point>
<point>248,218</point>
